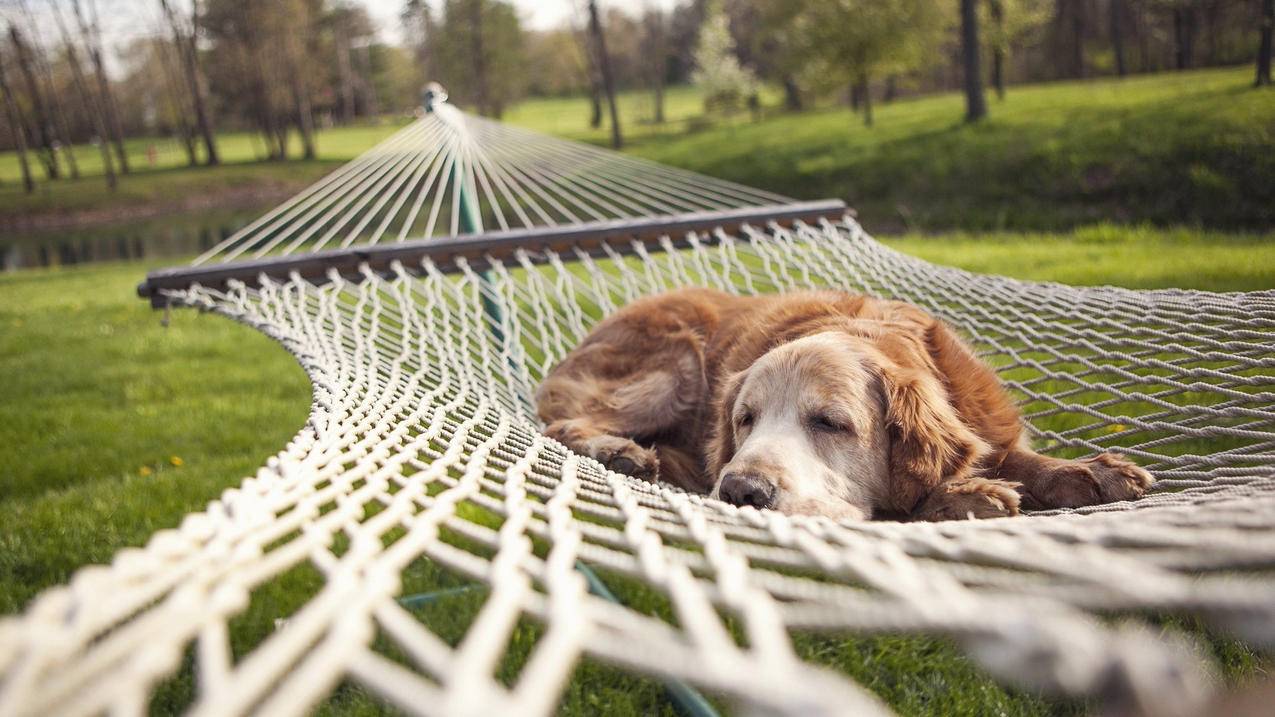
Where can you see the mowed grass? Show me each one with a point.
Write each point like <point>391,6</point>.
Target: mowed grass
<point>1178,148</point>
<point>118,427</point>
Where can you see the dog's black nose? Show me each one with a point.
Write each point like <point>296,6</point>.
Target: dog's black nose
<point>746,489</point>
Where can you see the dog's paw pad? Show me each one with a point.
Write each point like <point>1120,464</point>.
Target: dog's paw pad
<point>624,456</point>
<point>1069,485</point>
<point>974,499</point>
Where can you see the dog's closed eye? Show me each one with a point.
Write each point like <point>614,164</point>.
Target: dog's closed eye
<point>829,423</point>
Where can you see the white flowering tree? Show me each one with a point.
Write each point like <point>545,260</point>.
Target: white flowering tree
<point>725,82</point>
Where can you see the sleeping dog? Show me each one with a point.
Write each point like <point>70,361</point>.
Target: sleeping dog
<point>821,403</point>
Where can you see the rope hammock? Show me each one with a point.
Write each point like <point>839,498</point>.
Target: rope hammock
<point>427,286</point>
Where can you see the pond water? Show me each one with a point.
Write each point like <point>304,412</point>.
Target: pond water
<point>180,235</point>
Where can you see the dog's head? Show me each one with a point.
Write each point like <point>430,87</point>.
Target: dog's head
<point>828,424</point>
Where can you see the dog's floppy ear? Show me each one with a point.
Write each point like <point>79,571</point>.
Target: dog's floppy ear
<point>721,442</point>
<point>928,441</point>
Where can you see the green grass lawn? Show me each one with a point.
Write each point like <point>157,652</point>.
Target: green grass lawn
<point>118,427</point>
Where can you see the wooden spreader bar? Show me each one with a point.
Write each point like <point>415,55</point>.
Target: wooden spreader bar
<point>499,245</point>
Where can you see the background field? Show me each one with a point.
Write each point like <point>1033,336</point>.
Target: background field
<point>116,427</point>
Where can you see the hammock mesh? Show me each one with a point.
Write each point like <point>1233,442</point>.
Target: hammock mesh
<point>422,446</point>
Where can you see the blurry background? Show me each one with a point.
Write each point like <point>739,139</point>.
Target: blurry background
<point>1127,142</point>
<point>207,111</point>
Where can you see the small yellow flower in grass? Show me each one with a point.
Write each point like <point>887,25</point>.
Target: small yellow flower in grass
<point>176,460</point>
<point>145,471</point>
<point>1116,428</point>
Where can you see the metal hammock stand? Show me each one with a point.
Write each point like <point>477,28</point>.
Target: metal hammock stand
<point>426,287</point>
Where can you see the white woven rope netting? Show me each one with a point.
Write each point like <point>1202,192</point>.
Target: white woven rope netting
<point>422,447</point>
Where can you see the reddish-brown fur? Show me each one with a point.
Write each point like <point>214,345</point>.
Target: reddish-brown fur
<point>662,373</point>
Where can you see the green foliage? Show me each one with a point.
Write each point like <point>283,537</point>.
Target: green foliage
<point>1017,19</point>
<point>478,48</point>
<point>725,83</point>
<point>836,43</point>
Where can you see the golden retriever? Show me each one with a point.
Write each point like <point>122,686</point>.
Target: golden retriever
<point>820,403</point>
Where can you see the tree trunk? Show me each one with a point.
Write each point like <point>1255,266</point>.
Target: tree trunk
<point>595,104</point>
<point>19,134</point>
<point>300,96</point>
<point>604,62</point>
<point>996,9</point>
<point>61,128</point>
<point>93,43</point>
<point>1264,50</point>
<point>48,152</point>
<point>189,55</point>
<point>595,83</point>
<point>1183,37</point>
<point>172,87</point>
<point>478,56</point>
<point>891,89</point>
<point>1078,39</point>
<point>345,76</point>
<point>657,66</point>
<point>659,99</point>
<point>305,118</point>
<point>371,103</point>
<point>90,102</point>
<point>281,139</point>
<point>975,102</point>
<point>1117,36</point>
<point>792,94</point>
<point>865,97</point>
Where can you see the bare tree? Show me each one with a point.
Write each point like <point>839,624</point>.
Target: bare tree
<point>996,11</point>
<point>975,102</point>
<point>1264,51</point>
<point>18,129</point>
<point>1117,35</point>
<point>90,103</point>
<point>61,127</point>
<point>655,50</point>
<point>1183,35</point>
<point>294,54</point>
<point>43,126</point>
<point>91,36</point>
<point>864,93</point>
<point>184,41</point>
<point>371,103</point>
<point>604,63</point>
<point>345,75</point>
<point>477,56</point>
<point>594,77</point>
<point>172,87</point>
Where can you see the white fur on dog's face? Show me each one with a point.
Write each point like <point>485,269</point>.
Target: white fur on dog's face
<point>810,419</point>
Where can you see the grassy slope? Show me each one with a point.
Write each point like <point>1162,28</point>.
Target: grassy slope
<point>1172,148</point>
<point>119,396</point>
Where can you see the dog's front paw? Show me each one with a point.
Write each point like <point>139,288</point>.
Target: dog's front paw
<point>1118,478</point>
<point>975,498</point>
<point>1104,478</point>
<point>624,456</point>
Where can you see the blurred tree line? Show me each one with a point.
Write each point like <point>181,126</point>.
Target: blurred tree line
<point>285,67</point>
